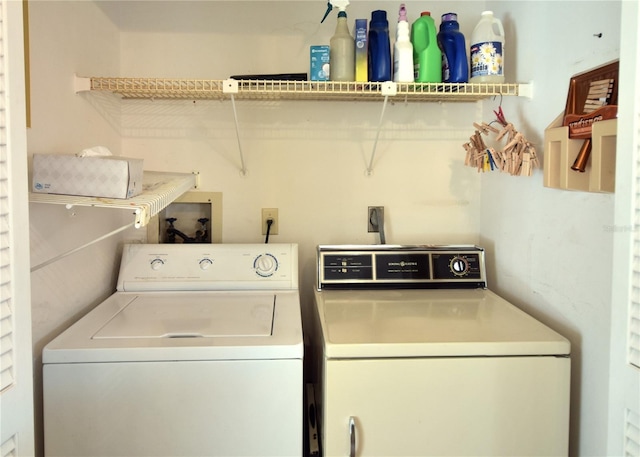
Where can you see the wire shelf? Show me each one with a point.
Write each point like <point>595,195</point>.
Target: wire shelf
<point>159,190</point>
<point>199,89</point>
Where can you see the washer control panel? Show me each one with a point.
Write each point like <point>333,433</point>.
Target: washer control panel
<point>385,266</point>
<point>208,267</point>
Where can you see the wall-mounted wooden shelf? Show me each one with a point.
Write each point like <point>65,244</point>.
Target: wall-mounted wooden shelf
<point>560,152</point>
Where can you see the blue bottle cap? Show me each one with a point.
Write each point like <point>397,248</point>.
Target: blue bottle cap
<point>379,16</point>
<point>447,17</point>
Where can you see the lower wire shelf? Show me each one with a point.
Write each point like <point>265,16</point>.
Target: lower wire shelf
<point>159,190</point>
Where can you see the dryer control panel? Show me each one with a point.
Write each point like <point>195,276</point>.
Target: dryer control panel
<point>390,266</point>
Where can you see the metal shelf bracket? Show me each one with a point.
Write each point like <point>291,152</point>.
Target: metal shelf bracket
<point>230,87</point>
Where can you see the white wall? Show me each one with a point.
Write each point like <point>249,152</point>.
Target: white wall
<point>306,158</point>
<point>552,249</point>
<point>548,249</point>
<point>67,38</point>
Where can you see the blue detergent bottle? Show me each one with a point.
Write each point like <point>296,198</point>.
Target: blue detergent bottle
<point>379,47</point>
<point>455,66</point>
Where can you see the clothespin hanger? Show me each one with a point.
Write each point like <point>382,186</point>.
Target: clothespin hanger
<point>499,113</point>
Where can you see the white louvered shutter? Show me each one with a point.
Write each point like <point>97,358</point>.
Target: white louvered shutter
<point>16,374</point>
<point>624,377</point>
<point>632,412</point>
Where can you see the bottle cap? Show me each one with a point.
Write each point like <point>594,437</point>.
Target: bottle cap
<point>402,15</point>
<point>447,17</point>
<point>425,13</point>
<point>379,16</point>
<point>342,14</point>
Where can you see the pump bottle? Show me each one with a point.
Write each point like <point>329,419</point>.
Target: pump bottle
<point>403,50</point>
<point>342,62</point>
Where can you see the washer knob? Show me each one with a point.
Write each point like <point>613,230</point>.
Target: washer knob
<point>459,266</point>
<point>156,264</point>
<point>265,265</point>
<point>205,263</point>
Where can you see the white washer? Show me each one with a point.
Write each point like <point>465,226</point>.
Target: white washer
<point>417,358</point>
<point>199,352</point>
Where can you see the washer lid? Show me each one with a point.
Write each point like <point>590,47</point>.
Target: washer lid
<point>185,326</point>
<point>183,316</point>
<point>430,323</point>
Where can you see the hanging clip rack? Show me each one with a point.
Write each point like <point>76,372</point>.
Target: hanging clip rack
<point>518,157</point>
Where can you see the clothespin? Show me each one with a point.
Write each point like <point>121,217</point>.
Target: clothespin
<point>500,114</point>
<point>508,128</point>
<point>485,128</point>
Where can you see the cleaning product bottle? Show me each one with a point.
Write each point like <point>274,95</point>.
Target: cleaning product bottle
<point>487,50</point>
<point>403,50</point>
<point>342,61</point>
<point>427,58</point>
<point>455,66</point>
<point>379,47</point>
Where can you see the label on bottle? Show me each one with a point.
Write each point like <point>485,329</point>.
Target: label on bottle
<point>446,70</point>
<point>486,59</point>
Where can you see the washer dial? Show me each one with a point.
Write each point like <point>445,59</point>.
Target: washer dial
<point>265,265</point>
<point>205,263</point>
<point>156,264</point>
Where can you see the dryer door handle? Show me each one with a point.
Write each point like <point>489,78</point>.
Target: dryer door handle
<point>352,436</point>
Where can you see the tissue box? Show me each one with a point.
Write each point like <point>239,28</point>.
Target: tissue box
<point>111,177</point>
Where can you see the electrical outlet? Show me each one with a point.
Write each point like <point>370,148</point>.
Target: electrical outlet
<point>270,213</point>
<point>374,214</point>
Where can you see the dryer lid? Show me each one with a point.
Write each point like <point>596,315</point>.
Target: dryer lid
<point>192,316</point>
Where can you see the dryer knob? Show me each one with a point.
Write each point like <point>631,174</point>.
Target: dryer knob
<point>459,266</point>
<point>156,264</point>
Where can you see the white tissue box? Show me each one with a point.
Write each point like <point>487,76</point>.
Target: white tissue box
<point>111,177</point>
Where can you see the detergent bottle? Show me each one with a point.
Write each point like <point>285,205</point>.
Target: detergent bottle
<point>455,67</point>
<point>379,47</point>
<point>342,61</point>
<point>427,58</point>
<point>487,50</point>
<point>403,50</point>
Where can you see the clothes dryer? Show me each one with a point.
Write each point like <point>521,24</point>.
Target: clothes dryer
<point>415,356</point>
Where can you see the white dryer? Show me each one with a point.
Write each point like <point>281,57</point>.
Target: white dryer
<point>199,352</point>
<point>416,357</point>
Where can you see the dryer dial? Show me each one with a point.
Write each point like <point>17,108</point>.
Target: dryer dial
<point>265,265</point>
<point>156,264</point>
<point>459,266</point>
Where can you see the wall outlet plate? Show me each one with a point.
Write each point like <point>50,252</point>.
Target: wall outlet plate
<point>270,213</point>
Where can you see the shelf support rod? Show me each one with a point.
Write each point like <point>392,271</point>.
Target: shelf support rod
<point>79,248</point>
<point>388,88</point>
<point>230,86</point>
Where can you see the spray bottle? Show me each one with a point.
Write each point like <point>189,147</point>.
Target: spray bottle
<point>403,50</point>
<point>342,61</point>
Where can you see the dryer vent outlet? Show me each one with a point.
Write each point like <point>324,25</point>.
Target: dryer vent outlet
<point>375,218</point>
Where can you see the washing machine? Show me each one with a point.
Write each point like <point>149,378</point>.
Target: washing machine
<point>199,352</point>
<point>415,356</point>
